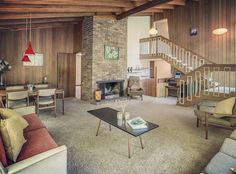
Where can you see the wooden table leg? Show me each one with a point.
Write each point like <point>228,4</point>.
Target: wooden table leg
<point>1,101</point>
<point>99,124</point>
<point>141,142</point>
<point>63,104</point>
<point>206,126</point>
<point>165,91</point>
<point>129,146</point>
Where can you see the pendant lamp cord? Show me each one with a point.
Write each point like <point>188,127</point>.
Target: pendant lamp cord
<point>30,27</point>
<point>220,13</point>
<point>26,32</point>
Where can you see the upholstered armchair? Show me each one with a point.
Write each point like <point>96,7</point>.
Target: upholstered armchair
<point>214,113</point>
<point>134,88</point>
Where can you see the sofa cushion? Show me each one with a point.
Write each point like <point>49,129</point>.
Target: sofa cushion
<point>8,113</point>
<point>224,107</point>
<point>3,157</point>
<point>38,141</point>
<point>12,135</point>
<point>229,147</point>
<point>220,164</point>
<point>34,122</point>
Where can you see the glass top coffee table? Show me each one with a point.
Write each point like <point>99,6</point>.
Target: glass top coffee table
<point>109,116</point>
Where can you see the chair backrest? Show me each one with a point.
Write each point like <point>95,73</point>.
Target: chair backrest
<point>41,86</point>
<point>19,95</point>
<point>46,92</point>
<point>9,88</point>
<point>134,82</point>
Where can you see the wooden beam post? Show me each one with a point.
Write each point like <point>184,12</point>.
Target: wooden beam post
<point>140,8</point>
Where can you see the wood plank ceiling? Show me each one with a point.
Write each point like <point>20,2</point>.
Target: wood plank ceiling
<point>14,12</point>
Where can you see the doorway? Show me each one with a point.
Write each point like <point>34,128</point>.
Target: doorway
<point>66,73</point>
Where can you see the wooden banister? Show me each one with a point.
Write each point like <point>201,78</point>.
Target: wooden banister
<point>187,49</point>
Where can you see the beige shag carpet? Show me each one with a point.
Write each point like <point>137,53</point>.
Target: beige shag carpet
<point>176,147</point>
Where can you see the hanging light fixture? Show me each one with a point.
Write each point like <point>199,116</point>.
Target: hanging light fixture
<point>30,50</point>
<point>25,57</point>
<point>220,30</point>
<point>153,31</point>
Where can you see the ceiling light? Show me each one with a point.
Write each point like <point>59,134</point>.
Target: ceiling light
<point>153,31</point>
<point>220,31</point>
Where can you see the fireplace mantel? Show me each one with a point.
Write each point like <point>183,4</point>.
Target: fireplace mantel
<point>109,81</point>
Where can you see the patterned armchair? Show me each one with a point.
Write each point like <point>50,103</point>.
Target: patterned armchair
<point>134,88</point>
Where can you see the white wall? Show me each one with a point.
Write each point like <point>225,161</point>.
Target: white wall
<point>138,28</point>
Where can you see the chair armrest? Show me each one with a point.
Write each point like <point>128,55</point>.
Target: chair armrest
<point>233,135</point>
<point>26,110</point>
<point>49,162</point>
<point>207,104</point>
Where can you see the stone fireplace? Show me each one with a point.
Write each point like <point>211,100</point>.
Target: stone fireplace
<point>111,89</point>
<point>97,33</point>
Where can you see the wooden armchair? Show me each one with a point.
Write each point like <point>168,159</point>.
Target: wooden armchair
<point>206,116</point>
<point>17,99</point>
<point>134,88</point>
<point>46,99</point>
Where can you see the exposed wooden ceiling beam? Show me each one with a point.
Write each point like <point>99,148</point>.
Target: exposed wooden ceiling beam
<point>9,23</point>
<point>108,3</point>
<point>177,2</point>
<point>150,10</point>
<point>42,26</point>
<point>140,8</point>
<point>42,15</point>
<point>20,9</point>
<point>55,9</point>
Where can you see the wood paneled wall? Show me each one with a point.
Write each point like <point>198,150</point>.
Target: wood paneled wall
<point>205,16</point>
<point>49,42</point>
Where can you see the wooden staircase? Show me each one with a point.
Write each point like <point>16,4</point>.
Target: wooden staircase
<point>202,80</point>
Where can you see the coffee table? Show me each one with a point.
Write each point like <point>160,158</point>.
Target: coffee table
<point>109,116</point>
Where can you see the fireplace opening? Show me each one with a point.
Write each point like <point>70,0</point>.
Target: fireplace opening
<point>111,89</point>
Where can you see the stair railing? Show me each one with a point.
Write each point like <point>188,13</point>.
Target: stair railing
<point>180,57</point>
<point>208,81</point>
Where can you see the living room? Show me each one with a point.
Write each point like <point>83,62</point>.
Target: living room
<point>117,86</point>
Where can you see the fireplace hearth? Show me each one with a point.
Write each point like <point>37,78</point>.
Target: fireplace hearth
<point>111,89</point>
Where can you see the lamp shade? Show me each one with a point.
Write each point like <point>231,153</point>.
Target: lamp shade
<point>29,50</point>
<point>25,58</point>
<point>153,31</point>
<point>220,31</point>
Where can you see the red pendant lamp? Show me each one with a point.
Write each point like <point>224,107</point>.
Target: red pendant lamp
<point>25,58</point>
<point>29,50</point>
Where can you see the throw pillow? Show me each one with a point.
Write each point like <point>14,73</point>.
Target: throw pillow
<point>224,107</point>
<point>234,109</point>
<point>8,113</point>
<point>13,138</point>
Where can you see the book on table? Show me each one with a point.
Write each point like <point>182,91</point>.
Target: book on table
<point>137,123</point>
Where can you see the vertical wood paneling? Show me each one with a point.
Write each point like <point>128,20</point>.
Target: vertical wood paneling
<point>49,42</point>
<point>204,15</point>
